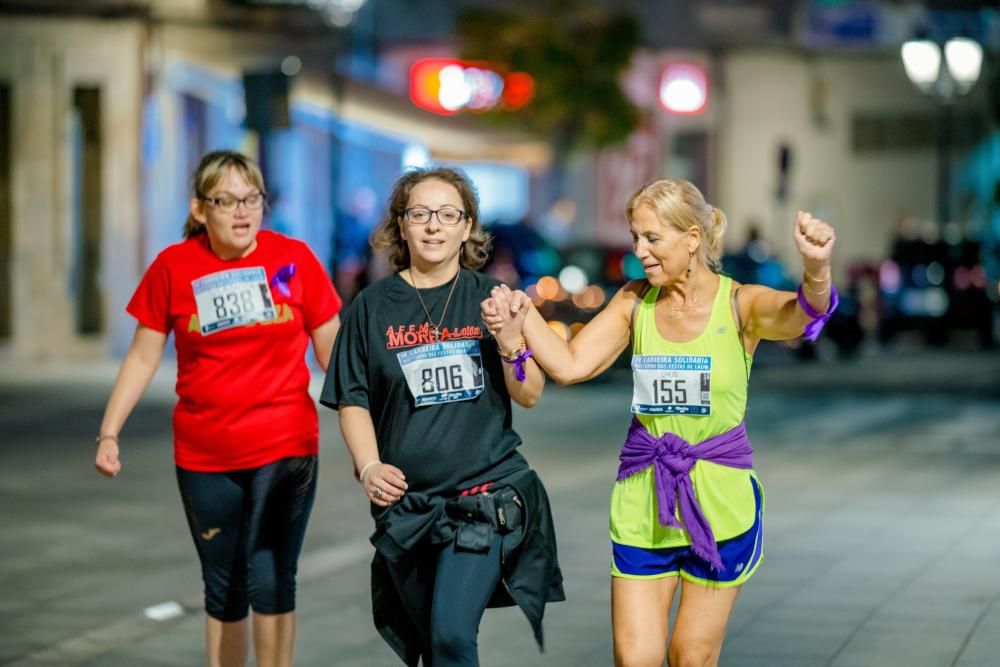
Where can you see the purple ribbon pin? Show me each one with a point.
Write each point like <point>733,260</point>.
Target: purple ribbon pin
<point>282,277</point>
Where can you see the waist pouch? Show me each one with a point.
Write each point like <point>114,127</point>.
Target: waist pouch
<point>479,516</point>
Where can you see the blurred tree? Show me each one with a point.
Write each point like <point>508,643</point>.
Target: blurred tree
<point>576,53</point>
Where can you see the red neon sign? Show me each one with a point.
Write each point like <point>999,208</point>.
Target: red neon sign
<point>447,86</point>
<point>684,89</point>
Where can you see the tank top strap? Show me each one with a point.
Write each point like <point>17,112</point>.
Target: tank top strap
<point>722,315</point>
<point>645,318</point>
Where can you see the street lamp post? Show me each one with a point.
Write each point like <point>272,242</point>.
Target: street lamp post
<point>963,60</point>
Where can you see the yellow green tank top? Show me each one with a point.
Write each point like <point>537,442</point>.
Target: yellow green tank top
<point>706,396</point>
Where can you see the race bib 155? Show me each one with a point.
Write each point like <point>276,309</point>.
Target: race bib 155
<point>672,385</point>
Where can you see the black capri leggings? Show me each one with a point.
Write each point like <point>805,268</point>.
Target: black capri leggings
<point>248,527</point>
<point>463,584</point>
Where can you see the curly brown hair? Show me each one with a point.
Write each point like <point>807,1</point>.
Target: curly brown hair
<point>387,237</point>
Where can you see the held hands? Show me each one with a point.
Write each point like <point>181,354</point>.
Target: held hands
<point>504,313</point>
<point>384,484</point>
<point>107,462</point>
<point>815,240</point>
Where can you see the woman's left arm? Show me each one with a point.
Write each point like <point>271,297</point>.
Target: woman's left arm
<point>776,315</point>
<point>527,389</point>
<point>323,337</point>
<point>526,393</point>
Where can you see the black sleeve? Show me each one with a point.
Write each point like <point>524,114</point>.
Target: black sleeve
<point>347,374</point>
<point>488,283</point>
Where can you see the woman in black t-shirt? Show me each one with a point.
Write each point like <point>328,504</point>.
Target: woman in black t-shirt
<point>424,402</point>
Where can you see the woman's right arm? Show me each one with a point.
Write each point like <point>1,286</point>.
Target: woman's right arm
<point>591,351</point>
<point>359,435</point>
<point>137,371</point>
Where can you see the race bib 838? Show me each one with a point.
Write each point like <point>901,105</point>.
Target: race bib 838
<point>232,298</point>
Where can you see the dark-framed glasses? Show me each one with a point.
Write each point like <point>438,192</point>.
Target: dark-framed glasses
<point>449,216</point>
<point>229,203</point>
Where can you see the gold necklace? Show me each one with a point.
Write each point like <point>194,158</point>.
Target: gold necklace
<point>435,329</point>
<point>676,313</point>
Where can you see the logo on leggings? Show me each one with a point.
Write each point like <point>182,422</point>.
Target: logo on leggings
<point>210,533</point>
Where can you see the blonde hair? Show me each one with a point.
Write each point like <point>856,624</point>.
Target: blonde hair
<point>388,238</point>
<point>679,204</point>
<point>212,168</point>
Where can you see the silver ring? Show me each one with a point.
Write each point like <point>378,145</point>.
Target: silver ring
<point>377,493</point>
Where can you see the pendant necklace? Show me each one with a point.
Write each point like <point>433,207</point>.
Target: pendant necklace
<point>435,329</point>
<point>675,312</point>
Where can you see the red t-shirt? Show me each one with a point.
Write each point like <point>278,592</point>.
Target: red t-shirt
<point>243,387</point>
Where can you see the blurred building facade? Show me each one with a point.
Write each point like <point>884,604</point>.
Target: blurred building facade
<point>807,108</point>
<point>106,106</point>
<point>105,109</point>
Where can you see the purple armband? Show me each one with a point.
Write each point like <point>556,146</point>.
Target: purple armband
<point>518,363</point>
<point>811,330</point>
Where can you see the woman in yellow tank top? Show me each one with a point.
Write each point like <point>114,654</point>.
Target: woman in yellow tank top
<point>687,506</point>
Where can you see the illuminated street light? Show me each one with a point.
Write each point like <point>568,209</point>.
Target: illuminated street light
<point>963,61</point>
<point>340,13</point>
<point>291,65</point>
<point>964,58</point>
<point>922,60</point>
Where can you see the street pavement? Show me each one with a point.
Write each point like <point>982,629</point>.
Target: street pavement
<point>882,525</point>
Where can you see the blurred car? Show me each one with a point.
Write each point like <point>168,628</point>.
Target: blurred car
<point>935,288</point>
<point>756,265</point>
<point>568,286</point>
<point>520,254</point>
<point>588,276</point>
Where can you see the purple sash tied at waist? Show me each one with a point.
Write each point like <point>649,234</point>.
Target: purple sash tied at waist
<point>672,458</point>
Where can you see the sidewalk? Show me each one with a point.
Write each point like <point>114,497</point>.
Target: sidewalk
<point>882,526</point>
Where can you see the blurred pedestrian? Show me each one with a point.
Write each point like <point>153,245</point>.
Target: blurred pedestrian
<point>351,249</point>
<point>243,305</point>
<point>462,522</point>
<point>687,505</point>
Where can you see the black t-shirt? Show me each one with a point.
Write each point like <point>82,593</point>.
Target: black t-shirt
<point>382,361</point>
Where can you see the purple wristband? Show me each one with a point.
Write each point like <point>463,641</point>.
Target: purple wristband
<point>518,364</point>
<point>811,330</point>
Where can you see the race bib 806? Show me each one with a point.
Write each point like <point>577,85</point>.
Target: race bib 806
<point>672,385</point>
<point>443,372</point>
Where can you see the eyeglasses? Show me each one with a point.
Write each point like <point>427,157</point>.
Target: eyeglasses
<point>229,203</point>
<point>449,216</point>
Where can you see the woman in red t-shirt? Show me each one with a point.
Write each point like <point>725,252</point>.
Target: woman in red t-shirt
<point>243,305</point>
